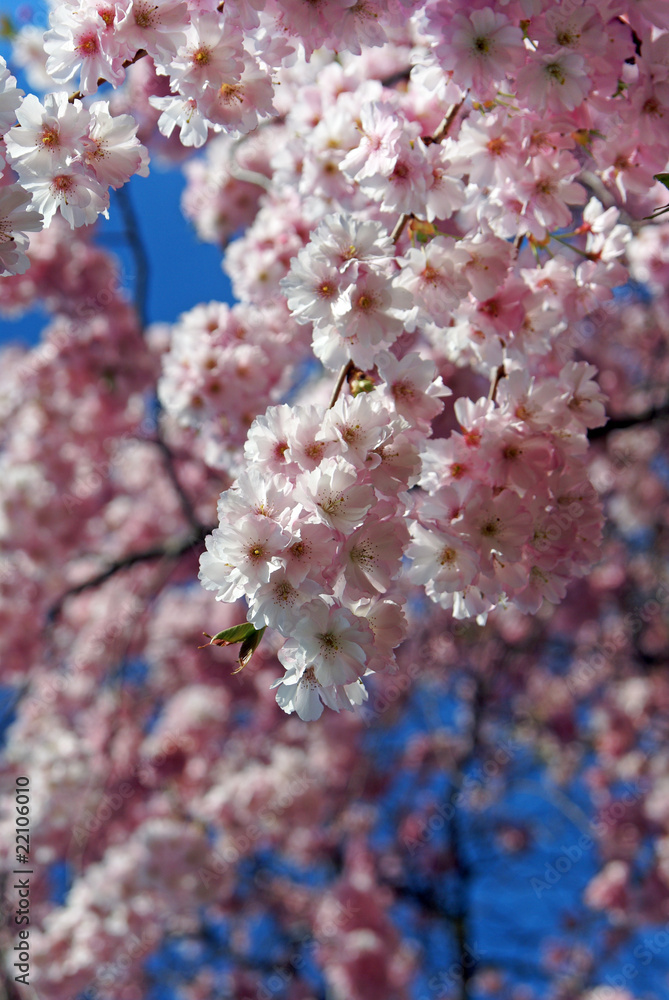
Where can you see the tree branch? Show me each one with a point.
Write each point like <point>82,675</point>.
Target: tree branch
<point>137,246</point>
<point>447,123</point>
<point>463,869</point>
<point>184,499</point>
<point>623,423</point>
<point>78,96</point>
<point>348,367</point>
<point>436,137</point>
<point>249,176</point>
<point>168,550</point>
<point>500,373</point>
<point>138,250</point>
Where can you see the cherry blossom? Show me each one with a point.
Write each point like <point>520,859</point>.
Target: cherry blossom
<point>430,570</point>
<point>15,221</point>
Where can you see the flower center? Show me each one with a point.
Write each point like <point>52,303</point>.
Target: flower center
<point>329,641</point>
<point>202,57</point>
<point>62,184</point>
<point>229,92</point>
<point>351,434</point>
<point>497,146</point>
<point>651,107</point>
<point>447,557</point>
<point>315,450</point>
<point>491,527</point>
<point>285,592</point>
<point>565,38</point>
<point>144,16</point>
<point>401,171</point>
<point>330,505</point>
<point>107,14</point>
<point>402,390</point>
<point>88,45</point>
<point>362,554</point>
<point>50,136</point>
<point>555,71</point>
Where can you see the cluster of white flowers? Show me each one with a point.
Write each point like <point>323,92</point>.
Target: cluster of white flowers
<point>315,540</point>
<point>16,220</point>
<point>508,513</point>
<point>67,155</point>
<point>342,283</point>
<point>405,195</point>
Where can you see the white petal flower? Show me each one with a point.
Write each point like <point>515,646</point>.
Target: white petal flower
<point>15,221</point>
<point>330,639</point>
<point>332,493</point>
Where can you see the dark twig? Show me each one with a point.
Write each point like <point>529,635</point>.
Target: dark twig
<point>399,227</point>
<point>184,499</point>
<point>137,246</point>
<point>78,96</point>
<point>623,423</point>
<point>436,137</point>
<point>348,367</point>
<point>400,76</point>
<point>461,916</point>
<point>138,249</point>
<point>168,550</point>
<point>447,123</point>
<point>500,373</point>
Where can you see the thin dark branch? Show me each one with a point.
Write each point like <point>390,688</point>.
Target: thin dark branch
<point>436,137</point>
<point>623,423</point>
<point>136,243</point>
<point>500,373</point>
<point>425,897</point>
<point>138,249</point>
<point>400,76</point>
<point>184,499</point>
<point>348,367</point>
<point>447,123</point>
<point>461,916</point>
<point>399,227</point>
<point>78,96</point>
<point>168,550</point>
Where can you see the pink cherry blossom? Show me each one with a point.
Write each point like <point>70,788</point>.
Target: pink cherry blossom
<point>480,48</point>
<point>333,495</point>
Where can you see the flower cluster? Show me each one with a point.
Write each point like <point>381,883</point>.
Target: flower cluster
<point>16,220</point>
<point>67,155</point>
<point>437,195</point>
<point>342,283</point>
<point>223,367</point>
<point>429,212</point>
<point>508,513</point>
<point>316,539</point>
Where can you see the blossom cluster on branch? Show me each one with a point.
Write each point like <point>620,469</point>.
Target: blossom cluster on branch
<point>443,191</point>
<point>442,222</point>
